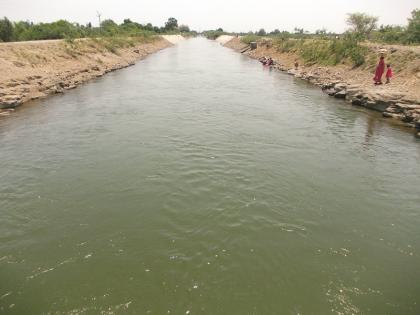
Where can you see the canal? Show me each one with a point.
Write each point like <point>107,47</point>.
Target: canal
<point>198,182</point>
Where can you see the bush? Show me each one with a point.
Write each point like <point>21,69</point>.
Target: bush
<point>325,51</point>
<point>249,39</point>
<point>23,31</point>
<point>213,34</point>
<point>6,30</point>
<point>413,29</point>
<point>390,34</point>
<point>261,32</point>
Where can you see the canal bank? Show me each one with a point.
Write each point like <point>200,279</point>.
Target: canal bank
<point>34,70</point>
<point>400,100</point>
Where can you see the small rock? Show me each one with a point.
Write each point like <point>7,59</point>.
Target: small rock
<point>357,102</point>
<point>391,115</point>
<point>341,94</point>
<point>330,91</point>
<point>340,86</point>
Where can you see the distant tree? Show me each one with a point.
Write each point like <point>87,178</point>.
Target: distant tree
<point>184,28</point>
<point>6,30</point>
<point>148,27</point>
<point>89,25</point>
<point>261,32</point>
<point>109,26</point>
<point>171,24</point>
<point>220,29</point>
<point>127,21</point>
<point>275,32</point>
<point>413,29</point>
<point>299,30</point>
<point>390,34</point>
<point>361,24</point>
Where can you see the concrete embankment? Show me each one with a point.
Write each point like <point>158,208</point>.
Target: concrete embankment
<point>399,100</point>
<point>33,70</point>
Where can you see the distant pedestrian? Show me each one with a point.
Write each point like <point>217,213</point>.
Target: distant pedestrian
<point>380,69</point>
<point>388,74</point>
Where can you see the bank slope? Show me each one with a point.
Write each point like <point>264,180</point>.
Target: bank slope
<point>399,100</point>
<point>32,70</point>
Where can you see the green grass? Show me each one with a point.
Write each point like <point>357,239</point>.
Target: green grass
<point>324,51</point>
<point>110,44</point>
<point>250,38</point>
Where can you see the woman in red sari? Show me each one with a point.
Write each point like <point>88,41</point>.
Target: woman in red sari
<point>380,69</point>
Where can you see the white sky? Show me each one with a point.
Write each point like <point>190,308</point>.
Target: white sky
<point>231,15</point>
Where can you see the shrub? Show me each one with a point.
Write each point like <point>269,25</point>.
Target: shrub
<point>325,51</point>
<point>361,24</point>
<point>249,39</point>
<point>213,34</point>
<point>6,30</point>
<point>413,29</point>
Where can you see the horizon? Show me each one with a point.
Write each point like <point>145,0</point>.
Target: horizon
<point>246,17</point>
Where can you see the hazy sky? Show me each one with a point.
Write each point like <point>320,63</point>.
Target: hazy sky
<point>232,15</point>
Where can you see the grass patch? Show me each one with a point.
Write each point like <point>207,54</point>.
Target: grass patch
<point>249,39</point>
<point>325,51</point>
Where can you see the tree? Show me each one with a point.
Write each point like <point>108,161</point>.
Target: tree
<point>184,28</point>
<point>361,24</point>
<point>261,32</point>
<point>220,29</point>
<point>109,26</point>
<point>413,29</point>
<point>6,30</point>
<point>390,34</point>
<point>275,32</point>
<point>148,27</point>
<point>171,24</point>
<point>299,30</point>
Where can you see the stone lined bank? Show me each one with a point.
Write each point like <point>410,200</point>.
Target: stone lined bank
<point>391,100</point>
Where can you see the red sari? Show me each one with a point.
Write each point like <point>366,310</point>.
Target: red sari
<point>379,71</point>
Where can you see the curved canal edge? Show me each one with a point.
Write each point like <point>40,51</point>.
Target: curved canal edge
<point>400,106</point>
<point>37,69</point>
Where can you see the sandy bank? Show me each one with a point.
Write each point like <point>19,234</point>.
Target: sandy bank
<point>399,100</point>
<point>174,39</point>
<point>32,70</point>
<point>224,39</point>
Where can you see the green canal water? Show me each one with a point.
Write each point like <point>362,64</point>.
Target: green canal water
<point>198,182</point>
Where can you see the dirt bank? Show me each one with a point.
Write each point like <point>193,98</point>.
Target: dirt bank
<point>399,100</point>
<point>32,70</point>
<point>224,39</point>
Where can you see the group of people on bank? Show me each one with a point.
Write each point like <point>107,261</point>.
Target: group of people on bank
<point>267,61</point>
<point>380,69</point>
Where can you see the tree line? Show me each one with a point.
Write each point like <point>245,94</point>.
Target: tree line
<point>361,27</point>
<point>24,30</point>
